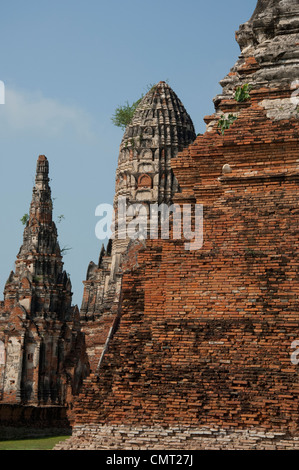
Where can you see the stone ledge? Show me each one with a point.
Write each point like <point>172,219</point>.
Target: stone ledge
<point>105,437</point>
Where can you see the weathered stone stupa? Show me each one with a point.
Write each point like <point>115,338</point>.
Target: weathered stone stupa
<point>201,358</point>
<point>43,360</point>
<point>160,128</point>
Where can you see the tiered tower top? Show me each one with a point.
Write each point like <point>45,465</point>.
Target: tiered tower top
<point>160,128</point>
<point>159,121</point>
<point>39,282</point>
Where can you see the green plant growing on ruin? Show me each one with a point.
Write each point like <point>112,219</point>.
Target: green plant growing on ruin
<point>25,219</point>
<point>151,87</point>
<point>242,93</point>
<point>60,218</point>
<point>123,115</point>
<point>65,249</point>
<point>52,202</point>
<point>225,123</point>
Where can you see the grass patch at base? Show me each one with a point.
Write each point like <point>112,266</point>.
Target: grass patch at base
<point>41,443</point>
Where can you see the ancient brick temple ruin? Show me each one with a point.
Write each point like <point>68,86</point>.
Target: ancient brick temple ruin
<point>200,356</point>
<point>160,128</point>
<point>187,348</point>
<point>42,352</point>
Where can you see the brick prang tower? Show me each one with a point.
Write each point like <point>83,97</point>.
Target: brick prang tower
<point>160,128</point>
<point>44,359</point>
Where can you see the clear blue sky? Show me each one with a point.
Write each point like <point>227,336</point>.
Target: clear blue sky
<point>66,65</point>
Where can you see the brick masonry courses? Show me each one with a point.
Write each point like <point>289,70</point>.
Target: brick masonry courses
<point>205,336</point>
<point>201,358</point>
<point>160,128</point>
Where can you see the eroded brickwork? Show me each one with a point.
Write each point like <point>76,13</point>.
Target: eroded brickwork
<point>160,128</point>
<point>105,437</point>
<point>204,339</point>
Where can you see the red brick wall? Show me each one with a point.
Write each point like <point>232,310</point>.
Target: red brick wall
<point>96,333</point>
<point>205,336</point>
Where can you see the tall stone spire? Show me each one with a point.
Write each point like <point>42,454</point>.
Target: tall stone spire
<point>44,349</point>
<point>40,216</point>
<point>39,265</point>
<point>41,205</point>
<point>160,128</point>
